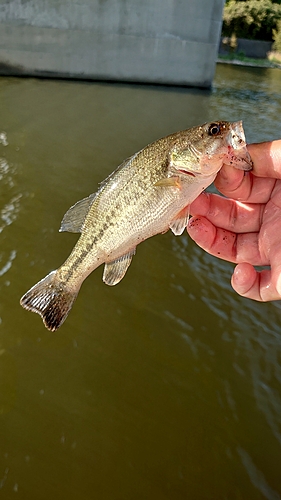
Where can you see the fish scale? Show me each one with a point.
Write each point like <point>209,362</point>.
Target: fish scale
<point>147,194</point>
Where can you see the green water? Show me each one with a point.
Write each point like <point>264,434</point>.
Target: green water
<point>165,387</point>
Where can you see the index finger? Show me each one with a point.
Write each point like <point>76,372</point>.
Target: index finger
<point>246,186</point>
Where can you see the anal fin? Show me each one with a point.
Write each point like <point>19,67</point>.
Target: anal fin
<point>114,271</point>
<point>179,224</point>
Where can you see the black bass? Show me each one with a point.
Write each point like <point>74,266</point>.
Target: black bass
<point>148,194</point>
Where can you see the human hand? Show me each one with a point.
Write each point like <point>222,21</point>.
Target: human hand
<point>245,227</point>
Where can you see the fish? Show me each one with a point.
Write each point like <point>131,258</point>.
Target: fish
<point>148,194</point>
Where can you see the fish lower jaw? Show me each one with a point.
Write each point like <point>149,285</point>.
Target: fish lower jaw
<point>239,159</point>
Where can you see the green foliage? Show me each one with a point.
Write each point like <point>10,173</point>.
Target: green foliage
<point>277,37</point>
<point>253,19</point>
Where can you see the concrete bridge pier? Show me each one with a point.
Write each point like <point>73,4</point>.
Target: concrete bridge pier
<point>151,41</point>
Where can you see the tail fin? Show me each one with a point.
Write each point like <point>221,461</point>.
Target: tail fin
<point>51,300</point>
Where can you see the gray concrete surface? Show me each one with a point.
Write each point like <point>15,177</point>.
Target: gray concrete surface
<point>151,41</point>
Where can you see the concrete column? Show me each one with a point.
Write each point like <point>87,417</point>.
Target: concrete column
<point>152,41</point>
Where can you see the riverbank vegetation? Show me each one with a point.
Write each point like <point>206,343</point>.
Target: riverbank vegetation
<point>271,61</point>
<point>253,20</point>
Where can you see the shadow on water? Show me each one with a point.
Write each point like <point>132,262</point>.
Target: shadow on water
<point>166,386</point>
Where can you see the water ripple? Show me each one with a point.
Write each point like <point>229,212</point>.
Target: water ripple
<point>253,327</point>
<point>256,476</point>
<point>9,262</point>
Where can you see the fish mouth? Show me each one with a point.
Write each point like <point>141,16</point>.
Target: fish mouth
<point>187,172</point>
<point>238,156</point>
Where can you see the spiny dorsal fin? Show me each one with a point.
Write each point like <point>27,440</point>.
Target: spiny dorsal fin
<point>114,271</point>
<point>74,218</point>
<point>179,224</point>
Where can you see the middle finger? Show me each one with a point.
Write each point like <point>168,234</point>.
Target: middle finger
<point>228,214</point>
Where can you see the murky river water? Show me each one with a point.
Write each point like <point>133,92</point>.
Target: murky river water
<point>167,386</point>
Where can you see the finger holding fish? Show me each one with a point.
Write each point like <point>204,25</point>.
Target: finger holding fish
<point>225,244</point>
<point>227,213</point>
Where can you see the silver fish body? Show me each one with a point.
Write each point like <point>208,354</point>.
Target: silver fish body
<point>148,194</point>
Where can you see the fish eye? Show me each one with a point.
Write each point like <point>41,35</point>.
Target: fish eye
<point>214,129</point>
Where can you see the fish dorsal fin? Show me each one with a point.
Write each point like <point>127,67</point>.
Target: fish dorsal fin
<point>74,218</point>
<point>114,271</point>
<point>180,222</point>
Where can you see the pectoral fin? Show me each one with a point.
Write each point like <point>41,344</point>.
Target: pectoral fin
<point>74,218</point>
<point>179,224</point>
<point>169,182</point>
<point>114,271</point>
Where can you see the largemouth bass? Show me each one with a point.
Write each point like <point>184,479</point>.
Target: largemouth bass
<point>148,194</point>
